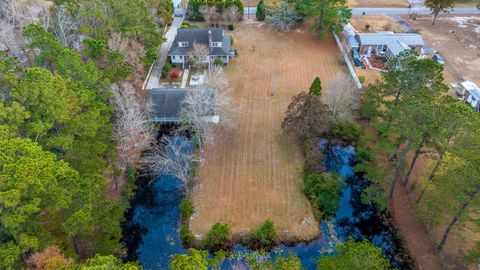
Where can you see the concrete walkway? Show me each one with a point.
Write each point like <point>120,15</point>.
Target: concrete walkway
<point>154,79</point>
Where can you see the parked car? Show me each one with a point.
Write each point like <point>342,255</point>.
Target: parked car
<point>438,58</point>
<point>356,58</point>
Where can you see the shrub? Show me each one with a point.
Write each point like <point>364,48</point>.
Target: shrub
<point>175,73</point>
<point>217,237</point>
<point>231,27</point>
<point>185,234</point>
<point>165,70</point>
<point>361,78</point>
<point>186,208</point>
<point>265,236</point>
<point>347,131</point>
<point>218,61</point>
<point>316,87</point>
<point>367,26</point>
<point>323,191</point>
<point>231,39</point>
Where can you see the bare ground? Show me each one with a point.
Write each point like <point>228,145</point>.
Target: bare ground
<point>254,172</point>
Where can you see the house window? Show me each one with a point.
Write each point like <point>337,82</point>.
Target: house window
<point>173,57</point>
<point>181,57</point>
<point>216,44</point>
<point>183,44</point>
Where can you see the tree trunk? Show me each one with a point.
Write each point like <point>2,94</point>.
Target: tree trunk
<point>457,217</point>
<point>435,14</point>
<point>397,173</point>
<point>417,153</point>
<point>322,14</point>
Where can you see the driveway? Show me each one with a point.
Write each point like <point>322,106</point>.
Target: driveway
<point>155,74</point>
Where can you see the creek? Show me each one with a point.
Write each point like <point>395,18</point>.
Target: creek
<point>151,237</point>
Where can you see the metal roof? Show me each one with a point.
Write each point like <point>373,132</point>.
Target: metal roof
<point>166,102</point>
<point>385,38</point>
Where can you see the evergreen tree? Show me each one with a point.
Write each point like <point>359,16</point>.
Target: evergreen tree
<point>260,14</point>
<point>316,87</point>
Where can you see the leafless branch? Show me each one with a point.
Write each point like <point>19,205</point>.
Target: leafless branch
<point>341,97</point>
<point>198,54</point>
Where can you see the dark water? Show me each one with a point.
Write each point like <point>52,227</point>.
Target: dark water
<point>150,232</point>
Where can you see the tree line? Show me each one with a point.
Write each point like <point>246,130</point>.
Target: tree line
<point>413,113</point>
<point>72,127</point>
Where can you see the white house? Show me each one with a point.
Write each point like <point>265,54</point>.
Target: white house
<point>213,38</point>
<point>389,43</point>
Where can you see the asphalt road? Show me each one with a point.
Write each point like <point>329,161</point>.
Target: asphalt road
<point>390,11</point>
<point>418,10</point>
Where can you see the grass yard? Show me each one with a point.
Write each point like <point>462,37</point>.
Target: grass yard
<point>457,39</point>
<point>254,172</point>
<point>378,3</point>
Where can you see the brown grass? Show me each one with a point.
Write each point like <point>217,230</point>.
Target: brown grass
<point>377,23</point>
<point>460,49</point>
<point>254,172</point>
<point>378,3</point>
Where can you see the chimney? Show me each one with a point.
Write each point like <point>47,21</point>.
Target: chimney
<point>209,38</point>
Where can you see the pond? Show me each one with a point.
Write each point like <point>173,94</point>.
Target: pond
<point>151,237</point>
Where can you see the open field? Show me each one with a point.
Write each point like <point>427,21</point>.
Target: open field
<point>254,172</point>
<point>457,39</point>
<point>378,3</point>
<point>377,23</point>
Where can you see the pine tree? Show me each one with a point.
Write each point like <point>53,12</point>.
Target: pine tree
<point>260,11</point>
<point>316,87</point>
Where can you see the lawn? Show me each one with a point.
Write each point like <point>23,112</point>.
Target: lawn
<point>351,3</point>
<point>254,172</point>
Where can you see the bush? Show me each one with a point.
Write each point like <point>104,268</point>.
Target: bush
<point>218,62</point>
<point>175,73</point>
<point>231,39</point>
<point>265,236</point>
<point>185,234</point>
<point>361,78</point>
<point>165,70</point>
<point>186,208</point>
<point>231,27</point>
<point>217,237</point>
<point>347,131</point>
<point>323,191</point>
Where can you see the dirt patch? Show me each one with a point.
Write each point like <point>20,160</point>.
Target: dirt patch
<point>376,23</point>
<point>457,39</point>
<point>378,3</point>
<point>254,172</point>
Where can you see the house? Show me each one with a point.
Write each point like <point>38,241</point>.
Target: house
<point>166,104</point>
<point>218,45</point>
<point>471,94</point>
<point>389,43</point>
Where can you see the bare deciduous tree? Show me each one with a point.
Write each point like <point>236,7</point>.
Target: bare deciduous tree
<point>64,26</point>
<point>282,18</point>
<point>232,14</point>
<point>172,156</point>
<point>130,49</point>
<point>202,107</point>
<point>132,130</point>
<point>341,97</point>
<point>198,54</point>
<point>209,13</point>
<point>215,78</point>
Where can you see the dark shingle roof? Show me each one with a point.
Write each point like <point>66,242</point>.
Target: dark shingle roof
<point>200,35</point>
<point>167,102</point>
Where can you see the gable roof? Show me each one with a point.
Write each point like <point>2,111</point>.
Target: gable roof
<point>200,35</point>
<point>396,47</point>
<point>385,38</point>
<point>166,102</point>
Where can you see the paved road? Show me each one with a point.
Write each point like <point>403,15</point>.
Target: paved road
<point>402,11</point>
<point>390,11</point>
<point>155,74</point>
